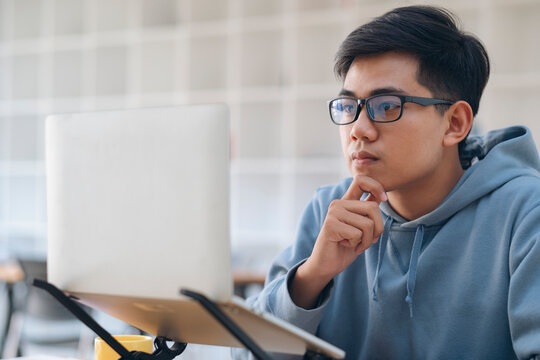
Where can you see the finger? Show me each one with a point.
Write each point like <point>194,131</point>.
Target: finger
<point>364,184</point>
<point>363,209</point>
<point>349,243</point>
<point>349,236</point>
<point>370,197</point>
<point>361,247</point>
<point>366,226</point>
<point>353,228</point>
<point>366,242</point>
<point>358,250</point>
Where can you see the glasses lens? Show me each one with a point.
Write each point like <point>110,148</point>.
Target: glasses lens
<point>343,110</point>
<point>384,108</point>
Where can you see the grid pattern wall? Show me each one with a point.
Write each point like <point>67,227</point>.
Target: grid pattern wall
<point>271,61</point>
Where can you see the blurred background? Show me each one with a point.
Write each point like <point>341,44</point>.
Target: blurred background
<point>270,60</point>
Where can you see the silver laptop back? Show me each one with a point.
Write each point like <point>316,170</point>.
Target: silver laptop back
<point>138,201</point>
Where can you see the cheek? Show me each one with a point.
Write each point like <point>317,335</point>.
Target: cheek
<point>344,134</point>
<point>419,149</point>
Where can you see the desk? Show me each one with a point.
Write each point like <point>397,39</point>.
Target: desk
<point>244,278</point>
<point>10,273</point>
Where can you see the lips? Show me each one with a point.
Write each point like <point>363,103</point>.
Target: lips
<point>362,158</point>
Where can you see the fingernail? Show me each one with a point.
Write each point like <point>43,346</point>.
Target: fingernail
<point>384,197</point>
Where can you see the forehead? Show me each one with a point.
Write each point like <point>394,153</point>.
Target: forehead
<point>394,70</point>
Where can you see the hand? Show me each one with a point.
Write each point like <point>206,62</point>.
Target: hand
<point>351,226</point>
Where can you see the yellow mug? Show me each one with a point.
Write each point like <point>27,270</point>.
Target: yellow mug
<point>142,343</point>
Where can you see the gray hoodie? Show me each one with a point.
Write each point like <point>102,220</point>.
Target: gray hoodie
<point>462,282</point>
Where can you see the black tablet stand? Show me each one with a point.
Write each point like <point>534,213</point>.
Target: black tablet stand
<point>162,350</point>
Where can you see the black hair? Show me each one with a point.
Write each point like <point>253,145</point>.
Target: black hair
<point>453,65</point>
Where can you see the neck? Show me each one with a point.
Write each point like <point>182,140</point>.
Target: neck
<point>416,200</point>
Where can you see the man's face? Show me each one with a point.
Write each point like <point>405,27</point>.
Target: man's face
<point>401,155</point>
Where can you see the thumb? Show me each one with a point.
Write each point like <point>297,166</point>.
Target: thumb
<point>378,200</point>
<point>364,184</point>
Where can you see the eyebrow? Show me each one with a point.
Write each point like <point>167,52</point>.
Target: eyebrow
<point>379,91</point>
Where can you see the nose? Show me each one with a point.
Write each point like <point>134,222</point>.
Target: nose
<point>363,128</point>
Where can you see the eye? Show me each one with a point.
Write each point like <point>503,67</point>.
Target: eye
<point>388,106</point>
<point>349,109</point>
<point>384,108</point>
<point>344,106</point>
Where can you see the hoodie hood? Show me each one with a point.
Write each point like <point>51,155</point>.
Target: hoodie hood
<point>490,161</point>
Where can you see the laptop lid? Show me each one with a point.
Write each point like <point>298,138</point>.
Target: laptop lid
<point>136,197</point>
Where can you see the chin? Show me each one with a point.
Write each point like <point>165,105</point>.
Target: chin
<point>384,182</point>
<point>355,171</point>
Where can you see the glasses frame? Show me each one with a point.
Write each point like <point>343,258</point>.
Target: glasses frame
<point>404,99</point>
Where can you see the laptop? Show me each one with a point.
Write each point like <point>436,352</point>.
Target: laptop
<point>138,208</point>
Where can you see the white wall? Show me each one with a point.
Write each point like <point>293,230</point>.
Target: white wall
<point>271,61</point>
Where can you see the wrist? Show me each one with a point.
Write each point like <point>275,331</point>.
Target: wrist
<point>307,285</point>
<point>314,273</point>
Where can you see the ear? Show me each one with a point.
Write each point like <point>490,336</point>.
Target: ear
<point>459,119</point>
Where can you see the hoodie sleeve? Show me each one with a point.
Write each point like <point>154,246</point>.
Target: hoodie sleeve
<point>524,290</point>
<point>275,297</point>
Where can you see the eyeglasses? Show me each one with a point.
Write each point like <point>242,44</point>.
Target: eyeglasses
<point>380,108</point>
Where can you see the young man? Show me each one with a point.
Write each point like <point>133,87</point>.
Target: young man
<point>432,249</point>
